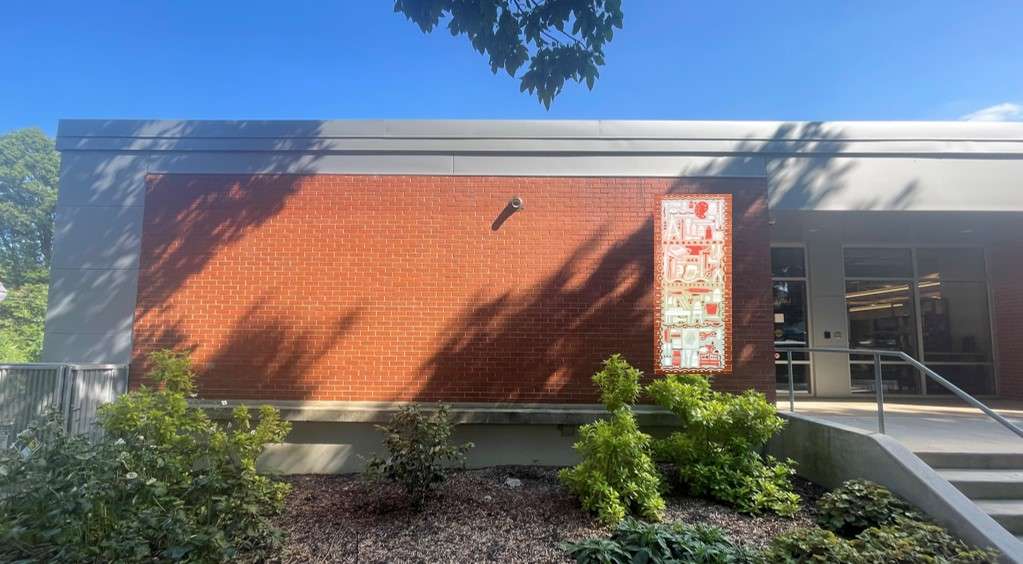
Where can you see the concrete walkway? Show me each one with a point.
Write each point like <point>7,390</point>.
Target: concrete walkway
<point>932,425</point>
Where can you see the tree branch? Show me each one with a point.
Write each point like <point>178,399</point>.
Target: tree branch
<point>548,35</point>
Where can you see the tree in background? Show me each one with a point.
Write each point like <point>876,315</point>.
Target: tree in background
<point>28,195</point>
<point>21,323</point>
<point>561,39</point>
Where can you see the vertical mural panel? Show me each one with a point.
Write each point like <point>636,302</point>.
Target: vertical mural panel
<point>693,283</point>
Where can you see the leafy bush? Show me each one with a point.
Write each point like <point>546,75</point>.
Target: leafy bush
<point>164,483</point>
<point>858,505</point>
<point>597,551</point>
<point>636,541</point>
<point>905,541</point>
<point>716,451</point>
<point>420,452</point>
<point>882,528</point>
<point>618,383</point>
<point>810,545</point>
<point>616,475</point>
<point>909,541</point>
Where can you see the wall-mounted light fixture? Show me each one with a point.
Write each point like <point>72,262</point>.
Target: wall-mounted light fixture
<point>515,204</point>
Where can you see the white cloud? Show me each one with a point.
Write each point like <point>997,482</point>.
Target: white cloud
<point>1006,111</point>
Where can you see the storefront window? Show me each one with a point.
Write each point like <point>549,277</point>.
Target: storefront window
<point>788,266</point>
<point>930,303</point>
<point>951,264</point>
<point>895,377</point>
<point>878,263</point>
<point>881,315</point>
<point>788,262</point>
<point>956,326</point>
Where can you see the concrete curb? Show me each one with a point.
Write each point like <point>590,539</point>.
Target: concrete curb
<point>829,454</point>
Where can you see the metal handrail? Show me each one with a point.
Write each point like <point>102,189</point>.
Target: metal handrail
<point>879,386</point>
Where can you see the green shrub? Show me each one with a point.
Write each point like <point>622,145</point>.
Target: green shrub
<point>902,541</point>
<point>636,541</point>
<point>165,483</point>
<point>716,450</point>
<point>810,545</point>
<point>858,505</point>
<point>908,541</point>
<point>618,383</point>
<point>616,476</point>
<point>419,452</point>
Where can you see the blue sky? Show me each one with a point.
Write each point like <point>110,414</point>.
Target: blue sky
<point>304,59</point>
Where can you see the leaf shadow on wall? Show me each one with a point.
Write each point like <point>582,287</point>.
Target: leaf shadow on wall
<point>117,183</point>
<point>530,345</point>
<point>187,227</point>
<point>525,344</point>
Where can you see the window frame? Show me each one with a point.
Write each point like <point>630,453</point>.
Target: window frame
<point>811,383</point>
<point>914,282</point>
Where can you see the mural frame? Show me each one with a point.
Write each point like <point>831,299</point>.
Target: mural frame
<point>728,364</point>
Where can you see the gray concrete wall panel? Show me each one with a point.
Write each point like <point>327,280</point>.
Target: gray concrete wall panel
<point>94,237</point>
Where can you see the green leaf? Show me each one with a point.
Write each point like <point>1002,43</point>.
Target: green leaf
<point>511,34</point>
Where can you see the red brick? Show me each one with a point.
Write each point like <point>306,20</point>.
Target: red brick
<point>1006,272</point>
<point>398,288</point>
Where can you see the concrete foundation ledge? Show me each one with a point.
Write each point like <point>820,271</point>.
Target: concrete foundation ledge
<point>461,413</point>
<point>830,453</point>
<point>339,448</point>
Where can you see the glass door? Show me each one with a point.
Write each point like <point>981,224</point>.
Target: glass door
<point>791,321</point>
<point>930,303</point>
<point>955,318</point>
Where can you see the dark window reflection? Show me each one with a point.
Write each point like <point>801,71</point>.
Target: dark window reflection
<point>800,376</point>
<point>881,315</point>
<point>790,315</point>
<point>951,263</point>
<point>975,379</point>
<point>788,262</point>
<point>878,263</point>
<point>956,326</point>
<point>896,378</point>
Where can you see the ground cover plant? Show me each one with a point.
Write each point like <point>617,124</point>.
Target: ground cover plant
<point>165,483</point>
<point>617,475</point>
<point>419,452</point>
<point>656,543</point>
<point>809,545</point>
<point>862,522</point>
<point>859,505</point>
<point>716,451</point>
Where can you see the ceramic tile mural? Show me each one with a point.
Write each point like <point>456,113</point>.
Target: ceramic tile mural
<point>693,283</point>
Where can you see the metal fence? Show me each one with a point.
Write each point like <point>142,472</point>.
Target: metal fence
<point>30,391</point>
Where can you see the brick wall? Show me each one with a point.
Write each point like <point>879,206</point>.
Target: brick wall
<point>397,288</point>
<point>1006,272</point>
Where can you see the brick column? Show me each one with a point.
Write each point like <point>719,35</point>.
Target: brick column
<point>1006,272</point>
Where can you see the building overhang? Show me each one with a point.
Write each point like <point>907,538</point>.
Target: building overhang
<point>941,166</point>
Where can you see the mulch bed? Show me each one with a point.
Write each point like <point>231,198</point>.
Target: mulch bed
<point>475,517</point>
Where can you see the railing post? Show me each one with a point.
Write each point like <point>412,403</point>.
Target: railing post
<point>879,386</point>
<point>792,385</point>
<point>67,393</point>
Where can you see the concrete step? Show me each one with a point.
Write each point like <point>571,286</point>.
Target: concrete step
<point>1007,512</point>
<point>973,460</point>
<point>985,484</point>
